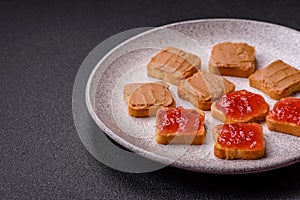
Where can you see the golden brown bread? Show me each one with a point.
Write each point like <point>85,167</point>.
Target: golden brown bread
<point>239,141</point>
<point>283,127</point>
<point>277,80</point>
<point>203,88</point>
<point>190,131</point>
<point>232,59</point>
<point>285,116</point>
<point>239,107</point>
<point>144,99</point>
<point>173,65</point>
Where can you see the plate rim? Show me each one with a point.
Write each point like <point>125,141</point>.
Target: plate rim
<point>158,158</point>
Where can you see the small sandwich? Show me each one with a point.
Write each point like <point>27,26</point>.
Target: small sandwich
<point>232,59</point>
<point>240,106</point>
<point>203,88</point>
<point>180,126</point>
<point>277,80</point>
<point>285,116</point>
<point>173,65</point>
<point>239,141</point>
<point>144,99</point>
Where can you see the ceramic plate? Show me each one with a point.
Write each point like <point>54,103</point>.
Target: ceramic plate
<point>126,63</point>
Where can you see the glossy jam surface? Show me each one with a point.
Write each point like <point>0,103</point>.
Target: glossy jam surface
<point>179,120</point>
<point>286,110</point>
<point>240,104</point>
<point>240,135</point>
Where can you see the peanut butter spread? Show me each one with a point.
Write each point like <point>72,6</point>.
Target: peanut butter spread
<point>208,86</point>
<point>278,76</point>
<point>229,54</point>
<point>174,60</point>
<point>151,94</point>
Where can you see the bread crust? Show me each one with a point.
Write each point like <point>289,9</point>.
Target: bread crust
<point>197,138</point>
<point>218,114</point>
<point>193,139</point>
<point>238,66</point>
<point>231,71</point>
<point>146,112</point>
<point>187,91</point>
<point>161,69</point>
<point>283,127</point>
<point>235,153</point>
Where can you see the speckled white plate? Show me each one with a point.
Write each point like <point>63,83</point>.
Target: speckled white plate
<point>127,64</point>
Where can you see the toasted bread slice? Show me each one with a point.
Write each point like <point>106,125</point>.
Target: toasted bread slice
<point>239,141</point>
<point>180,126</point>
<point>277,80</point>
<point>203,88</point>
<point>240,106</point>
<point>232,59</point>
<point>285,116</point>
<point>283,127</point>
<point>144,99</point>
<point>173,65</point>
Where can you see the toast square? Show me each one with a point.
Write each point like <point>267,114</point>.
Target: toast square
<point>285,116</point>
<point>203,88</point>
<point>144,99</point>
<point>180,126</point>
<point>277,80</point>
<point>172,65</point>
<point>240,106</point>
<point>232,59</point>
<point>239,141</point>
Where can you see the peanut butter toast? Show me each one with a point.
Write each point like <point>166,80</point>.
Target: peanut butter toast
<point>144,99</point>
<point>277,80</point>
<point>173,65</point>
<point>203,88</point>
<point>232,59</point>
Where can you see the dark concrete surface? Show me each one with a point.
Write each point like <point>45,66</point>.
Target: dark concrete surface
<point>42,45</point>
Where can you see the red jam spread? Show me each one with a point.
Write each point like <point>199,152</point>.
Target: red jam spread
<point>240,104</point>
<point>179,120</point>
<point>242,136</point>
<point>286,110</point>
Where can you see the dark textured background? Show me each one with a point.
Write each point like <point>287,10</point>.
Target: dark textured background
<point>42,44</point>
